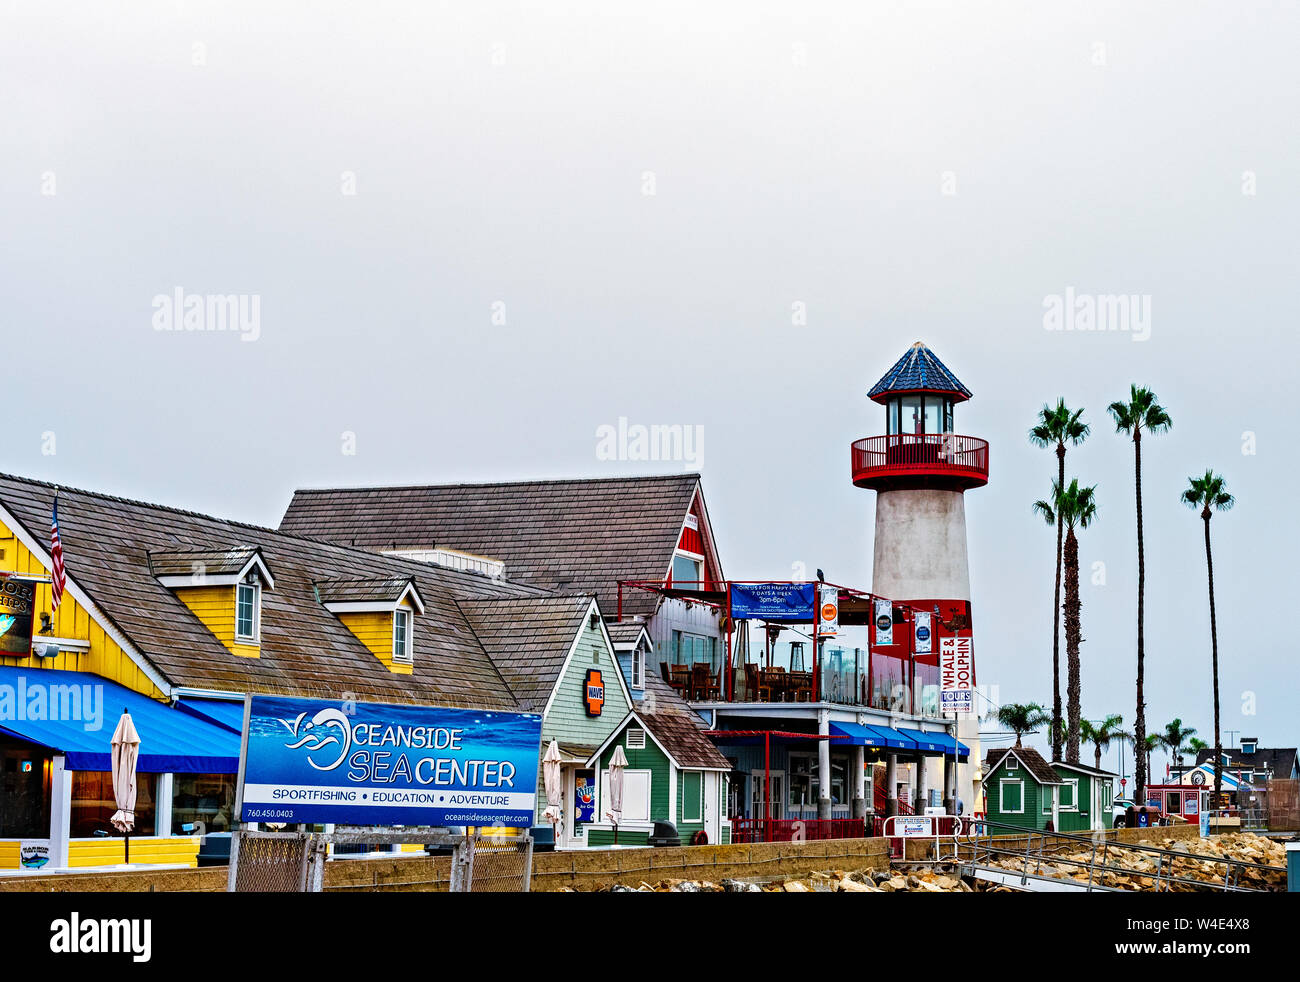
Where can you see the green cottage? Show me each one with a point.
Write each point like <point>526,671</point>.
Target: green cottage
<point>1024,790</point>
<point>1019,789</point>
<point>674,774</point>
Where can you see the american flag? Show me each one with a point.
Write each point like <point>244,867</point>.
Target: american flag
<point>56,554</point>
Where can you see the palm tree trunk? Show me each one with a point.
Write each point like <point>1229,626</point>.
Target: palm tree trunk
<point>1140,724</point>
<point>1214,648</point>
<point>1056,617</point>
<point>1072,633</point>
<point>1096,755</point>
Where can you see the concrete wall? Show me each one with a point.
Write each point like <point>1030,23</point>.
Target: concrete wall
<point>920,545</point>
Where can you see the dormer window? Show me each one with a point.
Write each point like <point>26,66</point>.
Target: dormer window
<point>402,635</point>
<point>248,611</point>
<point>1247,746</point>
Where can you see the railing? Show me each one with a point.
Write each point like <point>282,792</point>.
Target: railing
<point>796,829</point>
<point>882,459</point>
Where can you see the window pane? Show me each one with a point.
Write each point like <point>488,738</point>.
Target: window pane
<point>911,421</point>
<point>206,798</point>
<point>933,420</point>
<point>244,610</point>
<point>686,571</point>
<point>891,412</point>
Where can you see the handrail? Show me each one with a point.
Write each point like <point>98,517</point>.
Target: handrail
<point>903,454</point>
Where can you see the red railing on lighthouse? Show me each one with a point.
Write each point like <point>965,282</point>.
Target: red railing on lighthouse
<point>920,459</point>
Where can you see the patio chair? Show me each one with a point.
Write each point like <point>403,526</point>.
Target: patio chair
<point>703,682</point>
<point>754,689</point>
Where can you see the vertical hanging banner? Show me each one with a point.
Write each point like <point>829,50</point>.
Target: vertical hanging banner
<point>957,675</point>
<point>828,611</point>
<point>884,622</point>
<point>921,632</point>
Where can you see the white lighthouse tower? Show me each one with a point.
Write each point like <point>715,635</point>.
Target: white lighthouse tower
<point>920,470</point>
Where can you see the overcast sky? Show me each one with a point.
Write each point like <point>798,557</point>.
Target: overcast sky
<point>476,233</point>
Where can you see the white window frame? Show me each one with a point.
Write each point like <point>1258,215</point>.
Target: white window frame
<point>699,815</point>
<point>256,635</point>
<point>1013,764</point>
<point>1002,790</point>
<point>693,557</point>
<point>628,817</point>
<point>403,657</point>
<point>1073,784</point>
<point>638,666</point>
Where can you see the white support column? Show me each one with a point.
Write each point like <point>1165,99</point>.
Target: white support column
<point>921,784</point>
<point>824,765</point>
<point>859,782</point>
<point>950,785</point>
<point>163,804</point>
<point>60,812</point>
<point>1056,807</point>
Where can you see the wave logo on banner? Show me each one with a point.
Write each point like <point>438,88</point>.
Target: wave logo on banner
<point>884,622</point>
<point>924,636</point>
<point>315,735</point>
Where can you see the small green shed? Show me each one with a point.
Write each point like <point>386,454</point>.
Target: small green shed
<point>1086,797</point>
<point>1019,789</point>
<point>674,774</point>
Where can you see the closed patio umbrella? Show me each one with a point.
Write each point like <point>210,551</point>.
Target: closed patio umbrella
<point>126,750</point>
<point>554,786</point>
<point>616,765</point>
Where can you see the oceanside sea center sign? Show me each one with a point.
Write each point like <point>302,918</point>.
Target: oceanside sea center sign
<point>356,763</point>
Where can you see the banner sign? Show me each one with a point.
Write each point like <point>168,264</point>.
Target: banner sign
<point>921,633</point>
<point>911,828</point>
<point>884,622</point>
<point>774,601</point>
<point>322,761</point>
<point>957,675</point>
<point>828,611</point>
<point>584,788</point>
<point>17,607</point>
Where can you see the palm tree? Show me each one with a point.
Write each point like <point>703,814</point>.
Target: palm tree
<point>1150,744</point>
<point>1210,494</point>
<point>1139,413</point>
<point>1075,507</point>
<point>1175,739</point>
<point>1101,734</point>
<point>1055,426</point>
<point>1022,718</point>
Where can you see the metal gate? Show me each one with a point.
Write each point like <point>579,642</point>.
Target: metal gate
<point>274,862</point>
<point>294,862</point>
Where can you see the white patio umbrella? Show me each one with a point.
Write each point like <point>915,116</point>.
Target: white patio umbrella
<point>126,751</point>
<point>554,785</point>
<point>616,765</point>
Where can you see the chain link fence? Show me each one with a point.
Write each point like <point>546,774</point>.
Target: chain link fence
<point>294,862</point>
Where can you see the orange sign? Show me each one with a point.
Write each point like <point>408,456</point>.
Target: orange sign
<point>593,692</point>
<point>829,612</point>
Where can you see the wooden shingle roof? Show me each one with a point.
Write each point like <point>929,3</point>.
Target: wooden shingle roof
<point>1031,759</point>
<point>528,639</point>
<point>572,536</point>
<point>677,728</point>
<point>305,650</point>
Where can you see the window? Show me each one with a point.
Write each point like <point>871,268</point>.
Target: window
<point>1013,764</point>
<point>1070,795</point>
<point>692,796</point>
<point>1011,796</point>
<point>402,635</point>
<point>1247,746</point>
<point>636,796</point>
<point>93,804</point>
<point>1173,803</point>
<point>206,798</point>
<point>248,600</point>
<point>891,417</point>
<point>686,570</point>
<point>638,667</point>
<point>635,738</point>
<point>1047,799</point>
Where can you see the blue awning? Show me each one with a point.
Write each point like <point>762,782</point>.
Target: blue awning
<point>893,739</point>
<point>858,735</point>
<point>935,743</point>
<point>225,713</point>
<point>75,714</point>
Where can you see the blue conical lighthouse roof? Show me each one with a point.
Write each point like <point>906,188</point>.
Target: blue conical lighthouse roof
<point>919,370</point>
